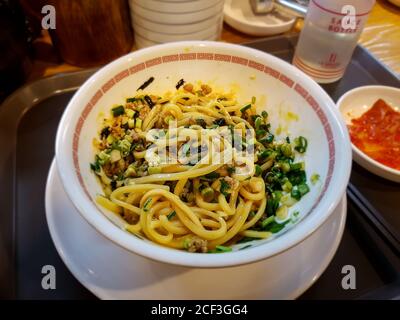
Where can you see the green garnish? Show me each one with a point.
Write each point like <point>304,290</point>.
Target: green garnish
<point>171,215</point>
<point>286,150</point>
<point>264,114</point>
<point>231,170</point>
<point>301,144</point>
<point>315,178</point>
<point>147,205</point>
<point>275,227</point>
<point>212,175</point>
<point>224,187</point>
<point>272,206</point>
<point>258,170</point>
<point>257,123</point>
<point>223,248</point>
<point>130,100</point>
<point>299,191</point>
<point>95,166</point>
<point>220,249</point>
<point>154,170</point>
<point>118,111</point>
<point>268,138</point>
<point>245,108</point>
<point>207,194</point>
<point>267,221</point>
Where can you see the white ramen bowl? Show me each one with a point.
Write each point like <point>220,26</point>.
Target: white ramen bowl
<point>279,88</point>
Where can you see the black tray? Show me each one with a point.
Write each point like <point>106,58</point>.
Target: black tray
<point>28,122</point>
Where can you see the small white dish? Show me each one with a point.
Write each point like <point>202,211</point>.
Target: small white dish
<point>356,102</point>
<point>111,272</point>
<point>177,7</point>
<point>176,28</point>
<point>176,18</point>
<point>239,15</point>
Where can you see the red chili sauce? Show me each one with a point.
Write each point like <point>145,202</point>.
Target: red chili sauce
<point>377,134</point>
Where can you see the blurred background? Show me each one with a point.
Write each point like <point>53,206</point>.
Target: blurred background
<point>91,33</point>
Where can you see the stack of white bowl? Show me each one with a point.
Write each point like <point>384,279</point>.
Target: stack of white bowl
<point>160,21</point>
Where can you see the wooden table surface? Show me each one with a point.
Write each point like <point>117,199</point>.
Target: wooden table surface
<point>381,36</point>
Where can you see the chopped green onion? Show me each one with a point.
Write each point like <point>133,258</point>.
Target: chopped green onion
<point>130,113</point>
<point>131,123</point>
<point>287,186</point>
<point>253,100</point>
<point>224,187</point>
<point>267,221</point>
<point>118,111</point>
<point>301,144</point>
<point>303,189</point>
<point>285,166</point>
<point>296,177</point>
<point>138,123</point>
<point>125,147</point>
<point>258,170</point>
<point>272,206</point>
<point>315,178</point>
<point>295,193</point>
<point>147,205</point>
<point>286,149</point>
<point>264,114</point>
<point>171,215</point>
<point>275,227</point>
<point>212,175</point>
<point>95,166</point>
<point>154,170</point>
<point>110,139</point>
<point>207,194</point>
<point>130,100</point>
<point>245,108</point>
<point>258,123</point>
<point>297,166</point>
<point>268,138</point>
<point>261,132</point>
<point>265,154</point>
<point>282,212</point>
<point>115,155</point>
<point>131,171</point>
<point>223,249</point>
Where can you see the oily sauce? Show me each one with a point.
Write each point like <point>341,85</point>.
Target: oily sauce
<point>377,134</point>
